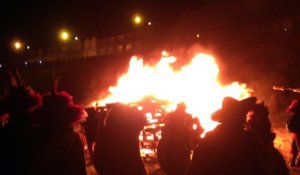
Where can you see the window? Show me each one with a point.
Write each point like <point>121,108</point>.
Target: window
<point>128,46</point>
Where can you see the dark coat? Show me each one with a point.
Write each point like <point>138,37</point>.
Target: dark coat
<point>224,153</point>
<point>117,145</point>
<point>175,147</point>
<point>16,148</point>
<point>58,152</point>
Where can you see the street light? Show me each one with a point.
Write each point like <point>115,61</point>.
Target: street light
<point>137,19</point>
<point>17,45</point>
<point>64,35</point>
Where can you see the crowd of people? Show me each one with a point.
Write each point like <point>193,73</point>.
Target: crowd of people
<point>49,134</point>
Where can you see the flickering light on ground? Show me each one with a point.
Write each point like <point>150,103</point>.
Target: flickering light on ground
<point>0,65</point>
<point>198,35</point>
<point>76,38</point>
<point>40,61</point>
<point>149,23</point>
<point>28,47</point>
<point>26,63</point>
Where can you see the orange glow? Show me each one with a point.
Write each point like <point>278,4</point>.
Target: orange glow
<point>64,35</point>
<point>196,84</point>
<point>17,45</point>
<point>137,19</point>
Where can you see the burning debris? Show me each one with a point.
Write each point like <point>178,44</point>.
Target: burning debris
<point>157,89</point>
<point>196,84</point>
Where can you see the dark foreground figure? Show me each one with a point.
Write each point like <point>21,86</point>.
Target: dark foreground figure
<point>270,158</point>
<point>16,135</point>
<point>293,125</point>
<point>58,148</point>
<point>178,140</point>
<point>117,145</point>
<point>229,149</point>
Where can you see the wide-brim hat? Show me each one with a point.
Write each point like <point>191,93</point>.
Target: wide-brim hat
<point>233,109</point>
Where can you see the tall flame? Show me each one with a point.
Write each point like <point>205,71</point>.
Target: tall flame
<point>196,84</point>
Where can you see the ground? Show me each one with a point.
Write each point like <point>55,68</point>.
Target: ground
<point>282,143</point>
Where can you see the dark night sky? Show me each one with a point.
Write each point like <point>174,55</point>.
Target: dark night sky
<point>252,26</point>
<point>38,22</point>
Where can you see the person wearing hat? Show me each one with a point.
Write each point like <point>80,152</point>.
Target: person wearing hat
<point>16,135</point>
<point>228,149</point>
<point>271,159</point>
<point>58,147</point>
<point>178,138</point>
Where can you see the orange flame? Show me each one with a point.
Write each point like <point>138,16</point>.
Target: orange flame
<point>195,84</point>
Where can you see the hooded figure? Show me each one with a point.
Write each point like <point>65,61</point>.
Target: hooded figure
<point>228,149</point>
<point>58,147</point>
<point>16,136</point>
<point>271,159</point>
<point>175,146</point>
<point>117,145</point>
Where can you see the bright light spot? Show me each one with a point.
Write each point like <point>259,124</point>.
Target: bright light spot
<point>40,61</point>
<point>149,23</point>
<point>28,47</point>
<point>195,83</point>
<point>195,126</point>
<point>148,115</point>
<point>285,29</point>
<point>164,53</point>
<point>137,19</point>
<point>64,35</point>
<point>150,137</point>
<point>26,63</point>
<point>140,108</point>
<point>0,65</point>
<point>141,136</point>
<point>153,121</point>
<point>76,38</point>
<point>198,35</point>
<point>157,114</point>
<point>17,45</point>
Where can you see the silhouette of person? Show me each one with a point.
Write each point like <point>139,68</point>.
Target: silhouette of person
<point>293,125</point>
<point>271,159</point>
<point>58,147</point>
<point>93,123</point>
<point>117,145</point>
<point>16,135</point>
<point>228,149</point>
<point>175,146</point>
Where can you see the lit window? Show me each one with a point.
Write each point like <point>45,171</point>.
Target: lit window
<point>102,51</point>
<point>119,48</point>
<point>110,50</point>
<point>128,46</point>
